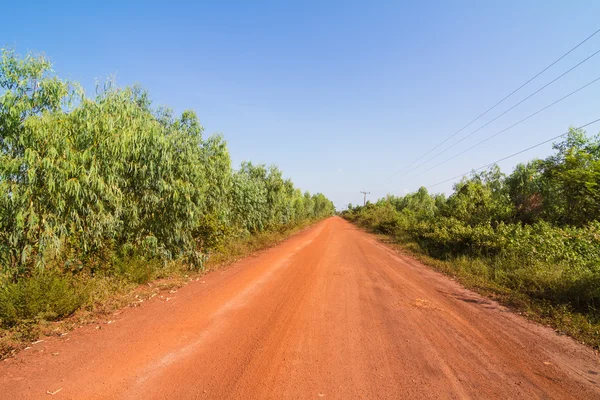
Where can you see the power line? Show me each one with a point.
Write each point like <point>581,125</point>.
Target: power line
<point>512,155</point>
<point>510,127</point>
<point>498,103</point>
<point>502,114</point>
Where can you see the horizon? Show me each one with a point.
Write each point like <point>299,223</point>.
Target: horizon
<point>339,98</point>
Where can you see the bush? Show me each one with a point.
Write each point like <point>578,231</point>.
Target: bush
<point>46,296</point>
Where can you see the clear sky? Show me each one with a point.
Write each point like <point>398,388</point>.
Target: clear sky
<point>339,94</point>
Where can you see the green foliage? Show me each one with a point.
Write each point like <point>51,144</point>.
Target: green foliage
<point>483,199</point>
<point>45,296</point>
<point>534,232</point>
<point>86,183</point>
<point>572,176</point>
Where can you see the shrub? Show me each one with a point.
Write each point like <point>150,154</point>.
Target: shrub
<point>46,296</point>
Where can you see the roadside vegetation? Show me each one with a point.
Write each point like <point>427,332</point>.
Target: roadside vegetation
<point>531,238</point>
<point>100,194</point>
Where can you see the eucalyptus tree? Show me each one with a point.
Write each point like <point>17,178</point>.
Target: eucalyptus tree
<point>86,181</point>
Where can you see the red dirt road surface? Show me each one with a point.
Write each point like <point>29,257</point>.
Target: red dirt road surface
<point>329,314</point>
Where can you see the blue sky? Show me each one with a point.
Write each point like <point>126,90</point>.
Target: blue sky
<point>340,95</point>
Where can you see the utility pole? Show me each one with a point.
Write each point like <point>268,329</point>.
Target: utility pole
<point>365,197</point>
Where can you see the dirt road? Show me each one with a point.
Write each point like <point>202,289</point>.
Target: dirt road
<point>328,314</point>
